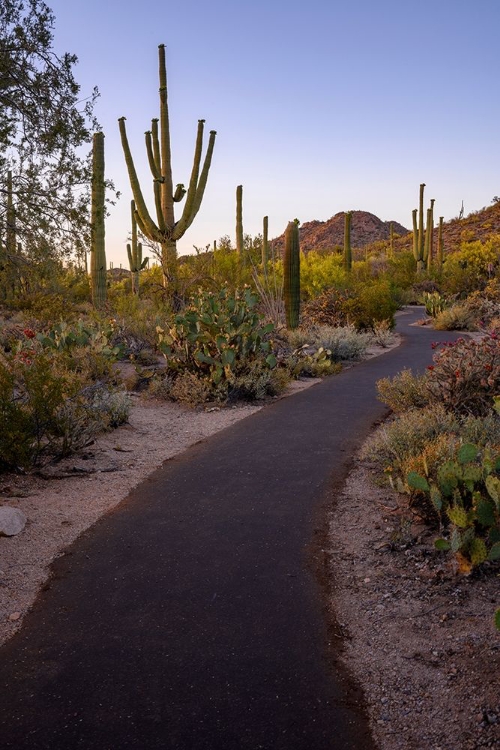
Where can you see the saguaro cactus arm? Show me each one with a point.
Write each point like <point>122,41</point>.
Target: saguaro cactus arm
<point>146,223</point>
<point>186,221</point>
<point>166,159</point>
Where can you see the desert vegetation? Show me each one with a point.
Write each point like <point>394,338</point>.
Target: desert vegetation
<point>228,322</point>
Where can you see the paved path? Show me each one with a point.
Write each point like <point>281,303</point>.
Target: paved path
<point>192,616</point>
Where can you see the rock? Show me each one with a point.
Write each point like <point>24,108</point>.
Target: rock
<point>12,521</point>
<point>14,616</point>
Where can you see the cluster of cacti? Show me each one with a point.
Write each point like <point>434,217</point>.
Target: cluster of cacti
<point>423,238</point>
<point>216,335</point>
<point>166,230</point>
<point>467,493</point>
<point>97,226</point>
<point>291,274</point>
<point>347,241</point>
<point>134,252</point>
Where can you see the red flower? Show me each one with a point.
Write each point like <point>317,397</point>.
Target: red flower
<point>430,367</point>
<point>29,333</point>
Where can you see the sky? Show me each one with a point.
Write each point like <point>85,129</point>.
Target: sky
<point>319,106</point>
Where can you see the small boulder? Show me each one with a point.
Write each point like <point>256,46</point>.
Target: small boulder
<point>12,521</point>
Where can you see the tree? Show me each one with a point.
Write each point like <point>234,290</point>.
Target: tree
<point>43,125</point>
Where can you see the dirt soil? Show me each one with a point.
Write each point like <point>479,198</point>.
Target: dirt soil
<point>419,639</point>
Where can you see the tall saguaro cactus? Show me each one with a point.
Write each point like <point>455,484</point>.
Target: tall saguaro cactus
<point>97,227</point>
<point>265,243</point>
<point>166,230</point>
<point>239,221</point>
<point>134,252</point>
<point>291,274</point>
<point>421,237</point>
<point>347,241</point>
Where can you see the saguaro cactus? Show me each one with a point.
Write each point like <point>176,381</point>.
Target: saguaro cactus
<point>347,241</point>
<point>421,237</point>
<point>134,252</point>
<point>166,231</point>
<point>239,221</point>
<point>291,274</point>
<point>97,227</point>
<point>265,243</point>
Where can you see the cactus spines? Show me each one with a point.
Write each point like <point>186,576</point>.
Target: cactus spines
<point>265,243</point>
<point>291,274</point>
<point>239,221</point>
<point>134,252</point>
<point>347,241</point>
<point>97,227</point>
<point>166,231</point>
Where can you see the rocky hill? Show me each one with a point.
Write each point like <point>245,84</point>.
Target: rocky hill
<point>365,229</point>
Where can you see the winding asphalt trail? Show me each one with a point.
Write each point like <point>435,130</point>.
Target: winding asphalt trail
<point>193,615</point>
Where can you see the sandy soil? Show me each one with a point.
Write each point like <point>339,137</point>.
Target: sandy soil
<point>418,639</point>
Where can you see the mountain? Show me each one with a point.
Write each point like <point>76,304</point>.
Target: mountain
<point>365,229</point>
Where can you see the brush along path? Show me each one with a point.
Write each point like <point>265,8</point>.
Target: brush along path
<point>193,615</point>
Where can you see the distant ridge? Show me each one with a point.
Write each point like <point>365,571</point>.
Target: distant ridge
<point>365,229</point>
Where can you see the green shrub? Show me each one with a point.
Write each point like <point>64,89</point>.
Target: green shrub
<point>49,410</point>
<point>372,303</point>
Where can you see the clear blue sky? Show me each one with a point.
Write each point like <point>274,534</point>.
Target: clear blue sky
<point>319,106</point>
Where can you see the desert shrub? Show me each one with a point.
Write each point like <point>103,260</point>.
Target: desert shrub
<point>319,272</point>
<point>458,317</point>
<point>191,389</point>
<point>465,375</point>
<point>404,391</point>
<point>344,343</point>
<point>327,309</point>
<point>316,364</point>
<point>257,382</point>
<point>48,410</point>
<point>373,302</point>
<point>382,334</point>
<point>407,435</point>
<point>472,266</point>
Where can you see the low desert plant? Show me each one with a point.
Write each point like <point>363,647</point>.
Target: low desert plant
<point>458,317</point>
<point>404,391</point>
